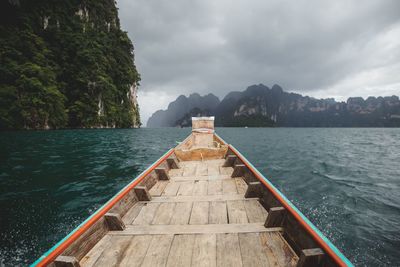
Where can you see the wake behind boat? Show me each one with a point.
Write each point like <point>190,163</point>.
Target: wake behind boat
<point>201,204</point>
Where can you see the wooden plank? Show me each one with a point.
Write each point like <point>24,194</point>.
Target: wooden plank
<point>276,217</point>
<point>236,212</point>
<point>226,171</point>
<point>113,255</point>
<point>173,163</point>
<point>66,261</point>
<point>136,251</point>
<point>214,187</point>
<point>114,222</point>
<point>228,250</point>
<point>199,213</point>
<point>213,168</point>
<point>254,189</point>
<point>92,256</point>
<point>255,212</point>
<point>200,188</point>
<point>162,173</point>
<point>131,215</point>
<point>186,188</point>
<point>277,250</point>
<point>142,193</point>
<point>201,178</point>
<point>194,229</point>
<point>157,253</point>
<point>171,189</point>
<point>147,213</point>
<point>202,169</point>
<point>240,185</point>
<point>180,254</point>
<point>190,170</point>
<point>229,161</point>
<point>181,213</point>
<point>311,257</point>
<point>204,250</point>
<point>229,187</point>
<point>199,198</point>
<point>158,188</point>
<point>251,250</point>
<point>218,212</point>
<point>238,170</point>
<point>175,173</point>
<point>122,206</point>
<point>164,213</point>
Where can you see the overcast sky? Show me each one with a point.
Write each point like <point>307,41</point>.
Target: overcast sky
<point>319,48</point>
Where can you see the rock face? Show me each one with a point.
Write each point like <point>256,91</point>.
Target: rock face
<point>260,106</point>
<point>181,107</point>
<point>65,64</point>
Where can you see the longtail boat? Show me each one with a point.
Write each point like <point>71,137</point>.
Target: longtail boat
<point>201,204</point>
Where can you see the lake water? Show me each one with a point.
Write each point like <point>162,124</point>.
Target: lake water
<point>346,181</point>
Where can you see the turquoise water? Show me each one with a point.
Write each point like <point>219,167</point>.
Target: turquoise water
<point>346,181</point>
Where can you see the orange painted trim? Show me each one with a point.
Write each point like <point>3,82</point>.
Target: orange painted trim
<point>288,207</point>
<point>99,213</point>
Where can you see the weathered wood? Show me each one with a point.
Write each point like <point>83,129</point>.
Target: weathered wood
<point>201,178</point>
<point>181,213</point>
<point>199,213</point>
<point>229,187</point>
<point>113,255</point>
<point>186,188</point>
<point>229,161</point>
<point>277,250</point>
<point>204,250</point>
<point>213,168</point>
<point>240,185</point>
<point>311,257</point>
<point>92,256</point>
<point>199,198</point>
<point>214,187</point>
<point>226,171</point>
<point>202,169</point>
<point>200,188</point>
<point>251,250</point>
<point>195,229</point>
<point>239,170</point>
<point>236,212</point>
<point>131,215</point>
<point>180,254</point>
<point>255,212</point>
<point>157,253</point>
<point>142,193</point>
<point>228,250</point>
<point>164,213</point>
<point>66,261</point>
<point>146,214</point>
<point>276,217</point>
<point>114,222</point>
<point>150,180</point>
<point>253,190</point>
<point>162,173</point>
<point>173,163</point>
<point>122,206</point>
<point>136,251</point>
<point>218,212</point>
<point>171,189</point>
<point>158,188</point>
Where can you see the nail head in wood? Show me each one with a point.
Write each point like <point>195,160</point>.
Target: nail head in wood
<point>66,261</point>
<point>162,173</point>
<point>238,170</point>
<point>173,163</point>
<point>253,190</point>
<point>229,161</point>
<point>142,193</point>
<point>114,222</point>
<point>311,257</point>
<point>275,217</point>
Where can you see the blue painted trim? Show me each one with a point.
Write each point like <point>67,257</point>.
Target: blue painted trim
<point>98,210</point>
<point>304,218</point>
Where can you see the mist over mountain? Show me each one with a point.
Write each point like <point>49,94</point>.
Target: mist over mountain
<point>261,106</point>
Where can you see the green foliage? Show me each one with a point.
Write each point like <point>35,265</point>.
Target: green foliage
<point>65,64</point>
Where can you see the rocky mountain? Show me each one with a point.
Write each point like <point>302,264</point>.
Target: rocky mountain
<point>261,106</point>
<point>65,64</point>
<point>182,107</point>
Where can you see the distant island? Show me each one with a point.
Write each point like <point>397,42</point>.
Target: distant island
<point>65,64</point>
<point>261,106</point>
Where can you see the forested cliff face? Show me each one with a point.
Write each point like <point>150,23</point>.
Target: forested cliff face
<point>65,64</point>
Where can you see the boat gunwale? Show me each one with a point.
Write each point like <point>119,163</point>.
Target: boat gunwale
<point>316,234</point>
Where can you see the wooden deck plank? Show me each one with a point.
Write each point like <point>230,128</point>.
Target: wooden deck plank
<point>195,229</point>
<point>226,170</point>
<point>181,213</point>
<point>199,198</point>
<point>214,187</point>
<point>175,172</point>
<point>229,187</point>
<point>255,212</point>
<point>218,212</point>
<point>180,254</point>
<point>200,188</point>
<point>113,255</point>
<point>213,168</point>
<point>201,178</point>
<point>164,213</point>
<point>277,250</point>
<point>204,250</point>
<point>136,251</point>
<point>158,188</point>
<point>199,213</point>
<point>186,188</point>
<point>202,169</point>
<point>228,250</point>
<point>133,212</point>
<point>236,212</point>
<point>93,255</point>
<point>240,185</point>
<point>157,253</point>
<point>147,213</point>
<point>251,250</point>
<point>189,169</point>
<point>171,189</point>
